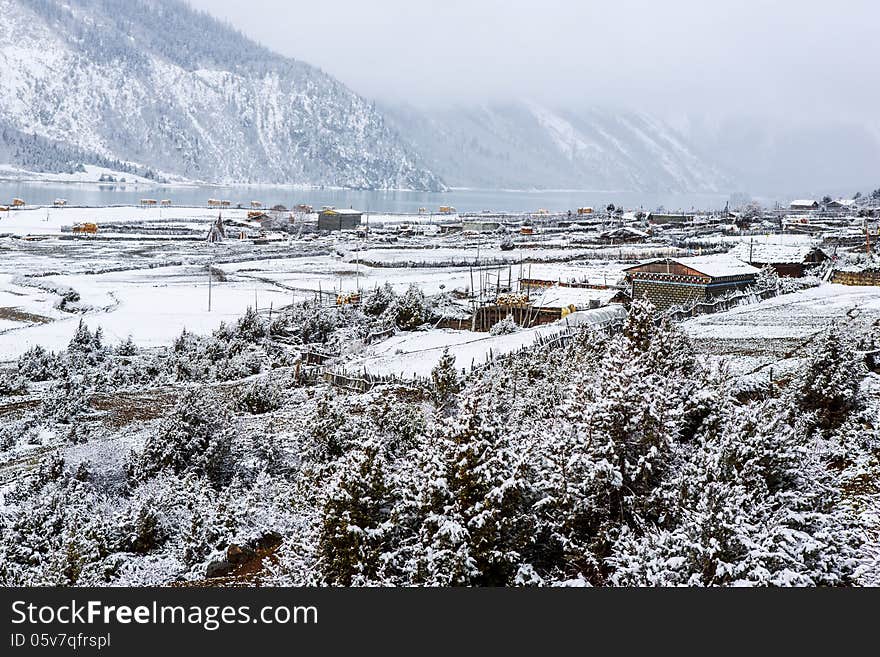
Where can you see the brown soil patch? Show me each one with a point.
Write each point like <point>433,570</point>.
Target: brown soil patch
<point>248,574</point>
<point>124,408</point>
<point>16,315</point>
<point>15,407</point>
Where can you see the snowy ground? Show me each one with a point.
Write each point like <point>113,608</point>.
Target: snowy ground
<point>775,332</point>
<point>788,239</point>
<point>414,354</point>
<point>151,288</point>
<point>41,220</point>
<point>90,174</point>
<point>137,277</point>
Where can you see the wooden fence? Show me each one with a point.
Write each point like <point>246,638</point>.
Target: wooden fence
<point>313,357</point>
<point>364,381</point>
<point>381,334</point>
<point>718,305</point>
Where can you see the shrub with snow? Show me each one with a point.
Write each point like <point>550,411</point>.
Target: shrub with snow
<point>37,364</point>
<point>505,327</point>
<point>413,309</point>
<point>12,384</point>
<point>260,396</point>
<point>194,438</point>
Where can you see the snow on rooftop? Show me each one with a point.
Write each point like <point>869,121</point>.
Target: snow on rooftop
<point>771,253</point>
<point>559,296</point>
<point>716,266</point>
<point>801,202</point>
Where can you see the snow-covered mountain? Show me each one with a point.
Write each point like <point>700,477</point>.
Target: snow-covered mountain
<point>797,155</point>
<point>161,87</point>
<point>525,145</point>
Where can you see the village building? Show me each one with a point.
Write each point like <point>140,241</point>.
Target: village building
<point>841,204</point>
<point>663,218</point>
<point>786,260</point>
<point>623,234</point>
<point>668,282</point>
<point>804,204</point>
<point>565,299</point>
<point>344,219</point>
<point>480,226</point>
<point>861,274</point>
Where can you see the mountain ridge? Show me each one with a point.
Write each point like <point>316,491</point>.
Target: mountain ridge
<point>161,86</point>
<point>525,144</point>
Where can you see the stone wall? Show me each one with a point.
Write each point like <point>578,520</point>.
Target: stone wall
<point>856,277</point>
<point>665,295</point>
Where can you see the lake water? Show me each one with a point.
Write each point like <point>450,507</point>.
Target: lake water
<point>465,200</point>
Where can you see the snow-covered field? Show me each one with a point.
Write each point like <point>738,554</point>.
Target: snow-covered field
<point>414,354</point>
<point>152,306</point>
<point>775,335</point>
<point>152,289</point>
<point>140,278</point>
<point>789,317</point>
<point>787,239</point>
<point>42,220</point>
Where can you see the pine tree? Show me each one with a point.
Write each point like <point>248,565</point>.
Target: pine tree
<point>828,385</point>
<point>355,519</point>
<point>754,504</point>
<point>767,278</point>
<point>445,379</point>
<point>478,526</point>
<point>640,327</point>
<point>379,300</point>
<point>413,310</point>
<point>195,437</point>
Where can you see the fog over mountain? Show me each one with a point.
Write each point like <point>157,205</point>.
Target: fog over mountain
<point>633,96</point>
<point>524,145</point>
<point>779,97</point>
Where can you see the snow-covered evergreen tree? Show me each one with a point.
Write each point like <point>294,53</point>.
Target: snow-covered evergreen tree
<point>828,385</point>
<point>445,379</point>
<point>195,438</point>
<point>356,519</point>
<point>505,327</point>
<point>755,504</point>
<point>413,309</point>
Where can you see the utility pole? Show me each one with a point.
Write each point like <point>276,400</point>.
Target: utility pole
<point>209,287</point>
<point>357,277</point>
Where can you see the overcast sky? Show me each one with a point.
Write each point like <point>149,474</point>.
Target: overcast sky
<point>795,58</point>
